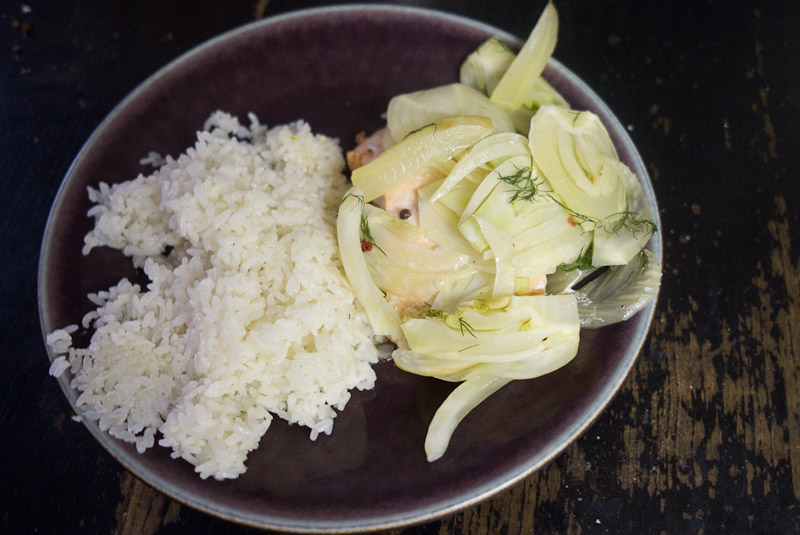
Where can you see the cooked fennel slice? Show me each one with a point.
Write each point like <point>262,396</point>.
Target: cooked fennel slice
<point>576,154</point>
<point>620,237</point>
<point>485,153</point>
<point>550,358</point>
<point>519,337</point>
<point>458,197</point>
<point>477,286</point>
<point>440,221</point>
<point>455,407</point>
<point>404,263</point>
<point>411,111</point>
<point>382,316</point>
<point>518,81</point>
<point>419,150</point>
<point>620,292</point>
<point>566,278</point>
<point>486,344</point>
<point>484,67</point>
<point>544,94</point>
<point>530,231</point>
<point>501,246</point>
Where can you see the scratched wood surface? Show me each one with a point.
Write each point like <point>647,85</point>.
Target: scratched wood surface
<point>704,436</point>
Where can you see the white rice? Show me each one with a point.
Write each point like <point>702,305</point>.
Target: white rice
<point>248,316</point>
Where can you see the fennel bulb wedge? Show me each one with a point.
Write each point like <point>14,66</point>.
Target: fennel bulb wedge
<point>575,153</point>
<point>530,231</point>
<point>619,237</point>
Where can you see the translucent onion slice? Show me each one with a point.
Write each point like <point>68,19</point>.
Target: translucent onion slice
<point>383,317</point>
<point>433,143</point>
<point>518,81</point>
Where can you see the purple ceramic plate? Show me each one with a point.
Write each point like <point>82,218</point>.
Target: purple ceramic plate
<point>337,68</point>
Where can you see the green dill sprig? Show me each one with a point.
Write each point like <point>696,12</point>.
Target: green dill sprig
<point>421,128</point>
<point>366,236</point>
<point>525,185</point>
<point>358,198</point>
<point>583,262</point>
<point>464,326</point>
<point>367,241</point>
<point>629,221</point>
<point>612,223</point>
<point>451,320</point>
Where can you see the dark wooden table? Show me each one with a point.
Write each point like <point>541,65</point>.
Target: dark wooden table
<point>704,436</point>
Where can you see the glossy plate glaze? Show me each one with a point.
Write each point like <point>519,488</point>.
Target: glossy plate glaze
<point>337,68</point>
